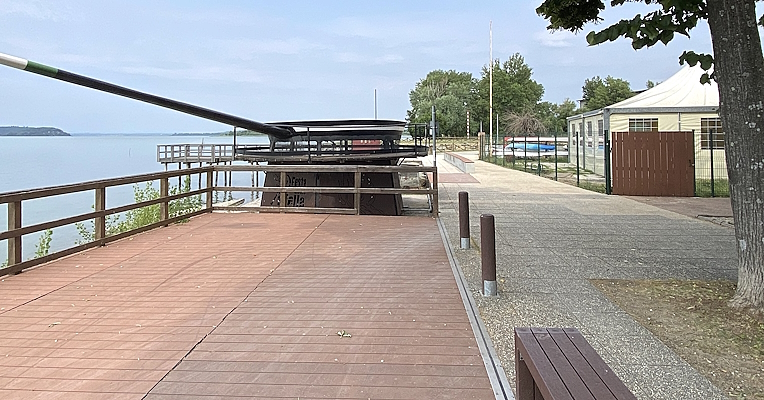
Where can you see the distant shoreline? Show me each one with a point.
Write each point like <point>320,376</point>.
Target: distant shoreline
<point>31,131</point>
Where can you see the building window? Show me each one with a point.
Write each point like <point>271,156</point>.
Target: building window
<point>601,128</point>
<point>711,129</point>
<point>643,124</point>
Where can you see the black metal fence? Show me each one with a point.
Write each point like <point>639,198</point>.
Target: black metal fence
<point>578,162</point>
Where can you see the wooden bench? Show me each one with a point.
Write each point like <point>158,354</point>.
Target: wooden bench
<point>558,363</point>
<point>463,163</point>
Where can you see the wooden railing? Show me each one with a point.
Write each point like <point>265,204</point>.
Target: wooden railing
<point>356,190</point>
<point>14,201</point>
<point>99,215</point>
<point>194,153</point>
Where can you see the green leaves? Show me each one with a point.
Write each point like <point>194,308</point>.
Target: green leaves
<point>658,26</point>
<point>143,216</point>
<point>570,14</point>
<point>42,248</point>
<point>706,62</point>
<point>690,57</point>
<point>600,93</point>
<point>451,92</point>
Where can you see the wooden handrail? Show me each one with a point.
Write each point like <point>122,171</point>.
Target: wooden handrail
<point>14,200</point>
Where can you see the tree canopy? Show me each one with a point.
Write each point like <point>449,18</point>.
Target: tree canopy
<point>450,92</point>
<point>514,89</point>
<point>600,93</point>
<point>515,94</point>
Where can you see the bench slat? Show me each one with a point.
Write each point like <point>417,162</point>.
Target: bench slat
<point>568,374</point>
<point>607,375</point>
<point>548,381</point>
<point>587,374</point>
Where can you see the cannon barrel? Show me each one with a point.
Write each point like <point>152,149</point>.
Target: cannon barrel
<point>280,133</point>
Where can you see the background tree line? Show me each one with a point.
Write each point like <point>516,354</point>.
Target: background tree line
<point>516,100</point>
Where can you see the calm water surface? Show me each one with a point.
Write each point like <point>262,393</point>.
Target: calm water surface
<point>34,162</point>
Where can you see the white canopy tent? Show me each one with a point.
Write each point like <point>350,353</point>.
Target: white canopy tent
<point>680,103</point>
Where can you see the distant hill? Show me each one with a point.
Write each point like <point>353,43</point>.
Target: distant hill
<point>31,131</point>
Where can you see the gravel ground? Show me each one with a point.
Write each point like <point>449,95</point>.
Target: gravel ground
<point>552,238</point>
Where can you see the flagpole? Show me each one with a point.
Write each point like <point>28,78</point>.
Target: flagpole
<point>490,84</point>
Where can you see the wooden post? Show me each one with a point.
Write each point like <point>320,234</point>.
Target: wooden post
<point>100,206</point>
<point>282,197</point>
<point>164,206</point>
<point>252,193</point>
<point>210,175</point>
<point>357,193</point>
<point>14,243</point>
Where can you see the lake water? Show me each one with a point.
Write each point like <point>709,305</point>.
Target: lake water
<point>35,162</point>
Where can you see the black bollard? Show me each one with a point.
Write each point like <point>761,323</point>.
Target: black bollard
<point>464,219</point>
<point>488,254</point>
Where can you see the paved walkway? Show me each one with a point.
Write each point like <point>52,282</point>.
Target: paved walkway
<point>552,238</point>
<point>245,306</point>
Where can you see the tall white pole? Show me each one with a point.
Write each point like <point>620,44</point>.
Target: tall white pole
<point>375,103</point>
<point>490,83</point>
<point>434,144</point>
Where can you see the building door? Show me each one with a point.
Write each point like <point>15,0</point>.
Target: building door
<point>653,164</point>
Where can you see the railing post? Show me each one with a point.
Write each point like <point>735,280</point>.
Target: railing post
<point>282,195</point>
<point>464,219</point>
<point>14,222</point>
<point>164,206</point>
<point>210,187</point>
<point>100,206</point>
<point>488,254</point>
<point>357,193</point>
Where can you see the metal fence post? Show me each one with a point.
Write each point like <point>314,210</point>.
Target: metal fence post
<point>578,157</point>
<point>488,254</point>
<point>538,152</point>
<point>464,219</point>
<point>608,172</point>
<point>555,156</point>
<point>711,148</point>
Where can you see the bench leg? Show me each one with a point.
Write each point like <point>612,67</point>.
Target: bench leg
<point>526,389</point>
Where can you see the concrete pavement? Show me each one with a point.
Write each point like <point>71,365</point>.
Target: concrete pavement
<point>551,238</point>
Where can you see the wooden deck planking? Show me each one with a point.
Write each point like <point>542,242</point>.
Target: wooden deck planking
<point>260,299</point>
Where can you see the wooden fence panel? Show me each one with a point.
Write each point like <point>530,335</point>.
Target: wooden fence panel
<point>653,164</point>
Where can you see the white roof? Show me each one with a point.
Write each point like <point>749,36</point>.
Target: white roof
<point>681,90</point>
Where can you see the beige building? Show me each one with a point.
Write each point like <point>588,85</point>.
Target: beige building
<point>680,103</point>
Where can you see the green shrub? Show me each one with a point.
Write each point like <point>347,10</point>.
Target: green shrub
<point>143,216</point>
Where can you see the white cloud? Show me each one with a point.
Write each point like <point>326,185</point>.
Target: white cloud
<point>555,39</point>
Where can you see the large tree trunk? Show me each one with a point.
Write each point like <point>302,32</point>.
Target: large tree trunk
<point>739,67</point>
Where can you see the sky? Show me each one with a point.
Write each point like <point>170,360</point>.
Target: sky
<point>288,60</point>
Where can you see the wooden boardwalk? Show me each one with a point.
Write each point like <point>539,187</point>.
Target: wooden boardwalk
<point>245,306</point>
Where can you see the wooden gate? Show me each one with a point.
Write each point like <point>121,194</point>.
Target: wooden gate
<point>653,164</point>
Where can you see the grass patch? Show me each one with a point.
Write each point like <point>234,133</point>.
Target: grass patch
<point>703,188</point>
<point>693,319</point>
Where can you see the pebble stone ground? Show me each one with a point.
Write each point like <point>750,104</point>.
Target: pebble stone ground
<point>551,238</point>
